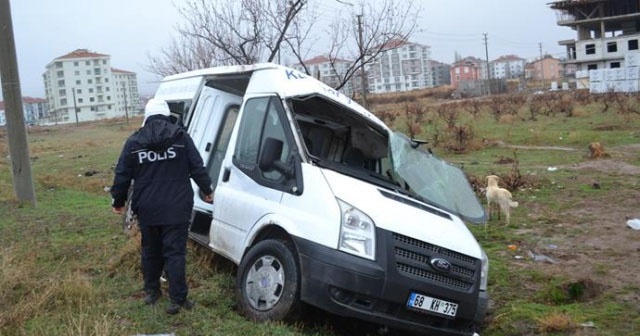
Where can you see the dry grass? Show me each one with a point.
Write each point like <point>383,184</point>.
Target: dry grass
<point>27,291</point>
<point>128,257</point>
<point>81,322</point>
<point>556,322</point>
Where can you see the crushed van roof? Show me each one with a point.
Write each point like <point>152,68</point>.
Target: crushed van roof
<point>286,82</point>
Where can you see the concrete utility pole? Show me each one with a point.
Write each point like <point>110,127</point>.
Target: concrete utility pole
<point>16,129</point>
<point>126,109</point>
<point>75,108</point>
<point>541,65</point>
<point>486,51</point>
<point>363,82</point>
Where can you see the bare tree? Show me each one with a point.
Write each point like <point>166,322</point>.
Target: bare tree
<point>182,55</point>
<point>227,32</point>
<point>385,25</point>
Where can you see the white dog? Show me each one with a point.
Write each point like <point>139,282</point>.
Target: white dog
<point>499,196</point>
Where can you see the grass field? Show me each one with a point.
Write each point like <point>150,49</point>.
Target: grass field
<point>67,268</point>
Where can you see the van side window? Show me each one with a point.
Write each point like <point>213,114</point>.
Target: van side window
<point>262,118</point>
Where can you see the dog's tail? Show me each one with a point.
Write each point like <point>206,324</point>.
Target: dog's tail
<point>513,204</point>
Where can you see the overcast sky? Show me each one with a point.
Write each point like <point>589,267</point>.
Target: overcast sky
<point>130,30</point>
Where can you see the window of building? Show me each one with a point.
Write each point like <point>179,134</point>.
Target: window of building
<point>90,90</point>
<point>61,83</point>
<point>77,73</point>
<point>612,47</point>
<point>75,63</point>
<point>614,65</point>
<point>93,108</point>
<point>108,97</point>
<point>88,72</point>
<point>590,49</point>
<point>60,74</point>
<point>91,99</point>
<point>104,61</point>
<point>63,102</point>
<point>106,80</point>
<point>632,44</point>
<point>78,82</point>
<point>77,110</point>
<point>78,91</point>
<point>58,65</point>
<point>87,63</point>
<point>90,81</point>
<point>80,100</point>
<point>592,67</point>
<point>62,92</point>
<point>96,71</point>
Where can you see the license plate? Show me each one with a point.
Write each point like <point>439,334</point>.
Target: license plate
<point>433,305</point>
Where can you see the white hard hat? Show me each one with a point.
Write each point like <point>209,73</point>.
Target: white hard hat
<point>155,107</point>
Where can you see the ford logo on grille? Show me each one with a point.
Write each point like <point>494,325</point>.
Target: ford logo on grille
<point>441,265</point>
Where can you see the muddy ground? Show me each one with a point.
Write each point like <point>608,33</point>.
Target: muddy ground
<point>588,240</point>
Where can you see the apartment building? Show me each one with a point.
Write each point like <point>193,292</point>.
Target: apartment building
<point>34,110</point>
<point>606,31</point>
<point>82,86</point>
<point>507,67</point>
<point>546,68</point>
<point>440,73</point>
<point>468,69</point>
<point>330,72</point>
<point>126,87</point>
<point>401,66</point>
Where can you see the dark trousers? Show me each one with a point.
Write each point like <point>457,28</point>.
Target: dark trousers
<point>165,247</point>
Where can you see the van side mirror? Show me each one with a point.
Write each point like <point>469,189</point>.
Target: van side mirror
<point>270,158</point>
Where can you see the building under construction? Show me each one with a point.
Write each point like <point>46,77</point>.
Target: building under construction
<point>607,40</point>
<point>607,30</point>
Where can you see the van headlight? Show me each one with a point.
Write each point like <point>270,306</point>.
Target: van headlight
<point>484,273</point>
<point>357,232</point>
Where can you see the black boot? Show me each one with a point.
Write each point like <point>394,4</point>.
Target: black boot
<point>152,297</point>
<point>174,307</point>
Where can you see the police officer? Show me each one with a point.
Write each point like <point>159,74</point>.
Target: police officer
<point>161,158</point>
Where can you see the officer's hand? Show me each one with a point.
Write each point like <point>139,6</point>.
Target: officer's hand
<point>118,211</point>
<point>208,198</point>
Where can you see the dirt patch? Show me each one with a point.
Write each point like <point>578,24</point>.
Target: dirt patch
<point>588,241</point>
<point>607,166</point>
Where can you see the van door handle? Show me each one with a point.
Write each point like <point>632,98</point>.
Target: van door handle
<point>207,148</point>
<point>226,174</point>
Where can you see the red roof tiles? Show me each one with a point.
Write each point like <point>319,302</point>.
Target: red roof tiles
<point>81,53</point>
<point>114,70</point>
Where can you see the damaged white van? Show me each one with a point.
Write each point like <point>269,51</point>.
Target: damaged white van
<point>318,201</point>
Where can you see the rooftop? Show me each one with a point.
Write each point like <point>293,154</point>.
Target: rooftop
<point>322,59</point>
<point>81,53</point>
<point>120,71</point>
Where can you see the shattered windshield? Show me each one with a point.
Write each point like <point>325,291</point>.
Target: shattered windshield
<point>434,179</point>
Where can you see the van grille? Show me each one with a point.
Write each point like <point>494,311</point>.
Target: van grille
<point>412,257</point>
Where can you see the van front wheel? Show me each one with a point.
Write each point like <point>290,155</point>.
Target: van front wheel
<point>267,283</point>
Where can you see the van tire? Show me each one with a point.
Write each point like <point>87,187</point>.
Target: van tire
<point>268,282</point>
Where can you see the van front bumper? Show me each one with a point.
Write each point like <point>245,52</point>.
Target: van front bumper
<point>377,292</point>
